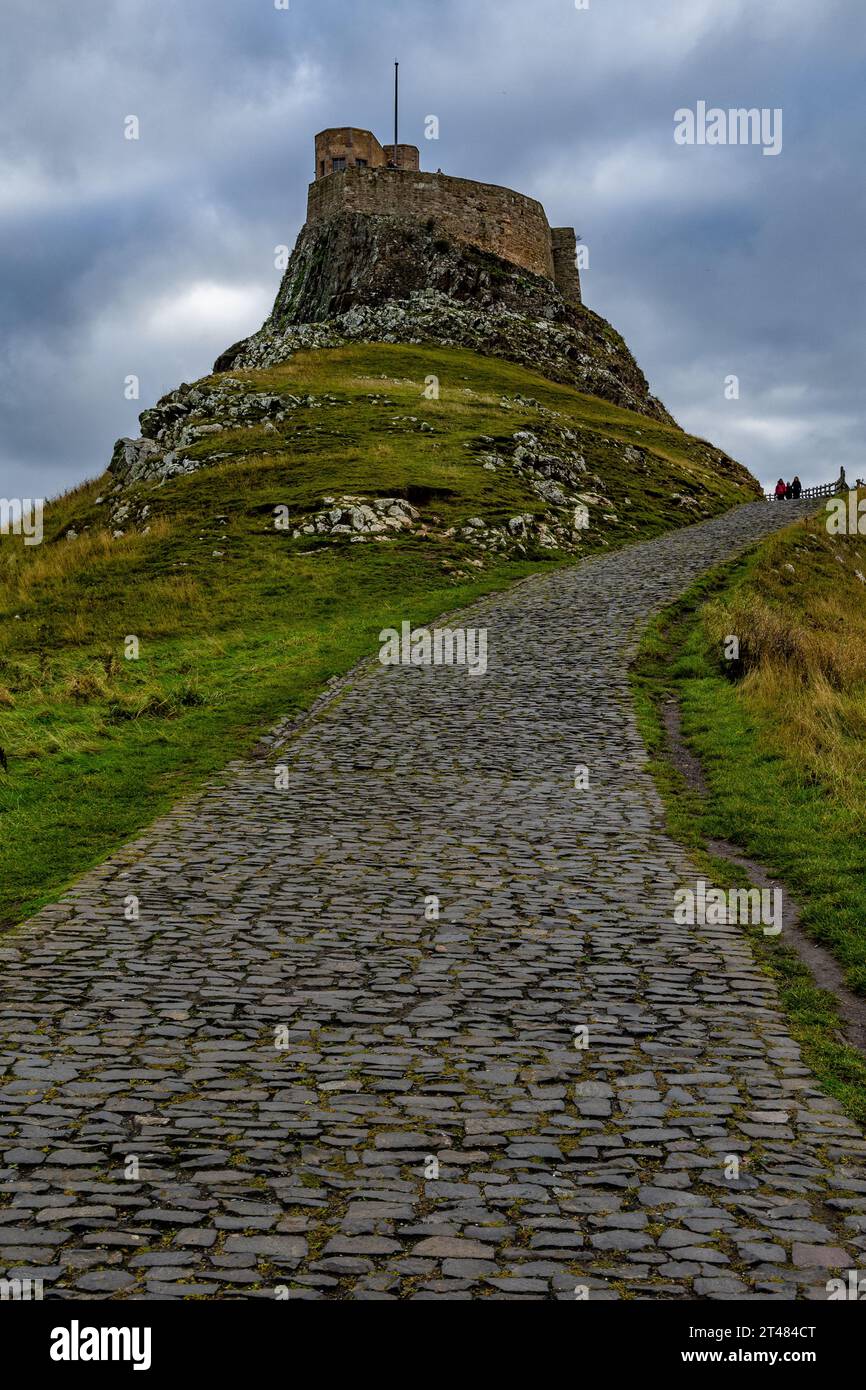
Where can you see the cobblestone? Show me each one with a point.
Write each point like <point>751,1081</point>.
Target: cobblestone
<point>290,1078</point>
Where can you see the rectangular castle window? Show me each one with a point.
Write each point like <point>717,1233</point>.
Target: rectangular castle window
<point>361,163</point>
<point>338,165</point>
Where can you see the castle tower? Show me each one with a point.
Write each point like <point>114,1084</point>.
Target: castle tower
<point>347,147</point>
<point>565,271</point>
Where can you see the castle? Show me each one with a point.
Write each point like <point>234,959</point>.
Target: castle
<point>355,173</point>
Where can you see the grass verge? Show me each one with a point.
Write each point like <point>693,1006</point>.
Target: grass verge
<point>757,725</point>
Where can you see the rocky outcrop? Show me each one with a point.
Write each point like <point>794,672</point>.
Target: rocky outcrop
<point>190,414</point>
<point>354,260</point>
<point>359,517</point>
<point>134,460</point>
<point>356,277</point>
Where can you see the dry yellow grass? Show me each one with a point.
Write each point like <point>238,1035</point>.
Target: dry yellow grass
<point>26,570</point>
<point>800,617</point>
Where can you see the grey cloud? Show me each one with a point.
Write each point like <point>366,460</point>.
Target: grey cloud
<point>709,261</point>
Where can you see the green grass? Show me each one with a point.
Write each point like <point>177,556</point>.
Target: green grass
<point>99,745</point>
<point>765,795</point>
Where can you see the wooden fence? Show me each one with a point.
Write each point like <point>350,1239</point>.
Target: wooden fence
<point>822,490</point>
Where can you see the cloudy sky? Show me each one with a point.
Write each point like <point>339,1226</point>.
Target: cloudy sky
<point>147,257</point>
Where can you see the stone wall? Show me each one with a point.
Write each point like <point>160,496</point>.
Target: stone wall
<point>565,271</point>
<point>403,156</point>
<point>349,143</point>
<point>494,219</point>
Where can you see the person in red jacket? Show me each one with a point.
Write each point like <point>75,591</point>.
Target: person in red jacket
<point>781,489</point>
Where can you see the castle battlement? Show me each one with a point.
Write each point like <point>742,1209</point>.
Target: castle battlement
<point>355,173</point>
<point>347,147</point>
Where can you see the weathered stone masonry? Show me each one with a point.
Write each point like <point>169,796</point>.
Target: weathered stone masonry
<point>565,271</point>
<point>347,147</point>
<point>354,173</point>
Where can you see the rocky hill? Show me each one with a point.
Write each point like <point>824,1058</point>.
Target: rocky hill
<point>357,277</point>
<point>578,475</point>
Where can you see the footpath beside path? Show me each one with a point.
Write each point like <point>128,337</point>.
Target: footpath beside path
<point>283,1075</point>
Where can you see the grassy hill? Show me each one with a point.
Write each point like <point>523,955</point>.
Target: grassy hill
<point>240,621</point>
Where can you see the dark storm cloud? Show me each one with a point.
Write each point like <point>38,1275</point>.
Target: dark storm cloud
<point>150,256</point>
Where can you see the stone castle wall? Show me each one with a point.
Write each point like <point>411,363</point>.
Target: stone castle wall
<point>347,143</point>
<point>496,220</point>
<point>565,271</point>
<point>352,146</point>
<point>402,156</point>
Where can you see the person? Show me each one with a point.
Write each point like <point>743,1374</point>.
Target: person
<point>780,490</point>
<point>789,491</point>
<point>796,487</point>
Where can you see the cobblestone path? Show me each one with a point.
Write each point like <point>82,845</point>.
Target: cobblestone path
<point>155,1140</point>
